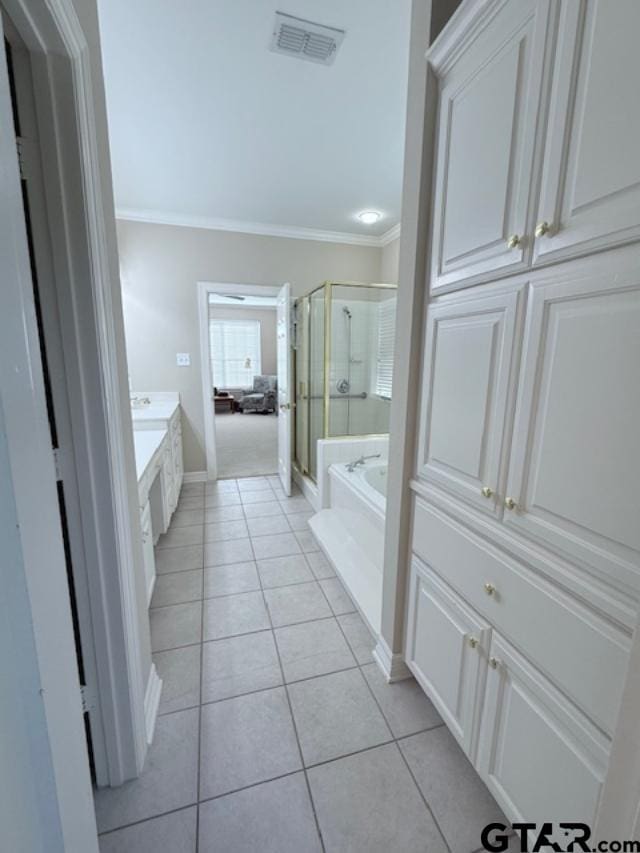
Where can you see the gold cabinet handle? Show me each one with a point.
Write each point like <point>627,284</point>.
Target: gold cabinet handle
<point>494,663</point>
<point>510,503</point>
<point>490,589</point>
<point>514,241</point>
<point>487,491</point>
<point>473,642</point>
<point>542,228</point>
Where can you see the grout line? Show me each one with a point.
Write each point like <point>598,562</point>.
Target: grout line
<point>145,819</point>
<point>293,720</point>
<point>199,758</point>
<point>397,745</point>
<point>285,685</point>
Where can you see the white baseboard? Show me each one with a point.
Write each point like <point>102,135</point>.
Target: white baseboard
<point>152,702</point>
<point>392,665</point>
<point>194,477</point>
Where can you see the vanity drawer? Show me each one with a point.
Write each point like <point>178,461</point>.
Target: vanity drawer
<point>578,650</point>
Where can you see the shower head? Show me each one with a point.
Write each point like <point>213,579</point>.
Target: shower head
<point>346,312</point>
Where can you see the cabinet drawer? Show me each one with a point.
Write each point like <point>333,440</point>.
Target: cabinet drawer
<point>584,655</point>
<point>540,757</point>
<point>447,645</point>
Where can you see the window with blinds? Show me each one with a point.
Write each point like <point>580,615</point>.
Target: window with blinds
<point>386,337</point>
<point>235,352</point>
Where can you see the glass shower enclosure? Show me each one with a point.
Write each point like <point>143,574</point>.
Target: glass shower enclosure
<point>343,364</point>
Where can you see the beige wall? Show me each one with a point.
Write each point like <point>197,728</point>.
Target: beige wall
<point>390,261</point>
<point>160,268</point>
<point>268,331</point>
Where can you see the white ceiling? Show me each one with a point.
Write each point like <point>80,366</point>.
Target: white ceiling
<point>207,124</point>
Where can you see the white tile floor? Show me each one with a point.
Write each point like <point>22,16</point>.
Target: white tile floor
<point>277,733</point>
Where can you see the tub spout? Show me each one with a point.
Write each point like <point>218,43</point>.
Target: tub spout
<point>351,466</point>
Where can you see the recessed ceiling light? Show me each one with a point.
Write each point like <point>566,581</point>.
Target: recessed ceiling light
<point>369,217</point>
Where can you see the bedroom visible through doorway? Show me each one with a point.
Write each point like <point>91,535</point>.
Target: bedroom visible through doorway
<point>241,377</point>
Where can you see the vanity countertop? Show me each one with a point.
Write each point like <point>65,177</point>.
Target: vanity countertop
<point>146,443</point>
<point>161,410</point>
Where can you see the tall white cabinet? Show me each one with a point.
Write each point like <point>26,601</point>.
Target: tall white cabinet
<point>525,575</point>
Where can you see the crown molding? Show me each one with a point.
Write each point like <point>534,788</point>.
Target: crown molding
<point>389,236</point>
<point>263,229</point>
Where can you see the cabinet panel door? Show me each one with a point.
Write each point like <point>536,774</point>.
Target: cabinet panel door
<point>147,550</point>
<point>575,465</point>
<point>540,757</point>
<point>590,192</point>
<point>468,354</point>
<point>488,106</point>
<point>446,650</point>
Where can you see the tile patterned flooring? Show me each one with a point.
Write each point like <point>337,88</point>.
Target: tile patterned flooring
<point>277,732</point>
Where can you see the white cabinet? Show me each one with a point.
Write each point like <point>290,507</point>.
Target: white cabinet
<point>147,550</point>
<point>446,650</point>
<point>531,394</point>
<point>469,352</point>
<point>488,109</point>
<point>590,193</point>
<point>575,461</point>
<point>540,757</point>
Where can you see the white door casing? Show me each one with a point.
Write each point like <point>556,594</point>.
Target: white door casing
<point>590,190</point>
<point>285,387</point>
<point>64,806</point>
<point>204,288</point>
<point>467,385</point>
<point>488,106</point>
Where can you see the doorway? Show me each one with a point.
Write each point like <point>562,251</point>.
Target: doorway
<point>246,377</point>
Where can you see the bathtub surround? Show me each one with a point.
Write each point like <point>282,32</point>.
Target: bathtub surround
<point>350,527</point>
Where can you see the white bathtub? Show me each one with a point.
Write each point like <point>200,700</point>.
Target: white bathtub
<point>351,532</point>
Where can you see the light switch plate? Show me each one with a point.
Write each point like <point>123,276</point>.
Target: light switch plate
<point>183,359</point>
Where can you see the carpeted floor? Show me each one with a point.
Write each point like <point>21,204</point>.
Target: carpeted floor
<point>246,445</point>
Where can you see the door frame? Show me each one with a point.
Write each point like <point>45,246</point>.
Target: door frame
<point>204,289</point>
<point>70,110</point>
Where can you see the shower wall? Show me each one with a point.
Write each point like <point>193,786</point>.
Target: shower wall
<point>353,365</point>
<point>354,345</point>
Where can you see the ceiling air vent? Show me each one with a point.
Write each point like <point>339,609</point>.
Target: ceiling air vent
<point>305,40</point>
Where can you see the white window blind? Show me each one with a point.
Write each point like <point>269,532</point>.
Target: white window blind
<point>235,352</point>
<point>386,337</point>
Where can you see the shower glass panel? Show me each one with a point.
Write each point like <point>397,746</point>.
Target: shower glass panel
<point>317,345</point>
<point>344,363</point>
<point>301,368</point>
<point>359,404</point>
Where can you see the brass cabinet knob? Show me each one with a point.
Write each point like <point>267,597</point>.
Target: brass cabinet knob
<point>487,491</point>
<point>542,228</point>
<point>490,589</point>
<point>510,503</point>
<point>494,663</point>
<point>473,642</point>
<point>514,241</point>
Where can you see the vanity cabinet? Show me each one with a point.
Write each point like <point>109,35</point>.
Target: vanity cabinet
<point>470,347</point>
<point>147,550</point>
